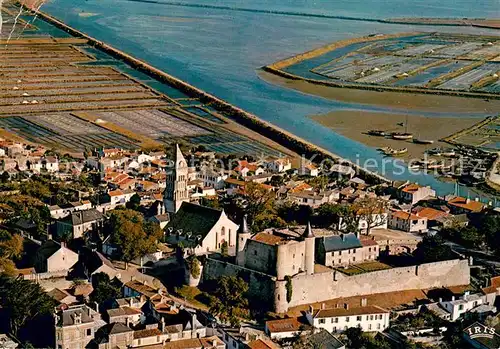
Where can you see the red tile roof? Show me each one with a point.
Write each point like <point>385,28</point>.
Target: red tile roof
<point>269,239</point>
<point>284,325</point>
<point>262,344</point>
<point>470,205</point>
<point>371,309</point>
<point>431,213</point>
<point>411,188</point>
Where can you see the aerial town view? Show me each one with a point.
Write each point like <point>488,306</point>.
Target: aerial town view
<point>249,175</point>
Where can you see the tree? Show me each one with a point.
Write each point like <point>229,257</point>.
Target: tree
<point>433,249</point>
<point>260,200</point>
<point>490,227</point>
<point>193,265</point>
<point>229,300</point>
<point>277,181</point>
<point>105,289</point>
<point>11,247</point>
<point>23,300</point>
<point>328,214</point>
<point>134,202</point>
<point>133,234</point>
<point>371,211</point>
<point>319,182</point>
<point>224,249</point>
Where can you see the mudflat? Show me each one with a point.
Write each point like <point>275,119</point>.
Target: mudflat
<point>354,124</point>
<point>394,100</point>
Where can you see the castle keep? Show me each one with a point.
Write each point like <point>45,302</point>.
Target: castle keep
<point>270,259</point>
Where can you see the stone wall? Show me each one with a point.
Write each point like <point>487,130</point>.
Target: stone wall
<point>261,286</point>
<point>260,257</point>
<point>329,285</point>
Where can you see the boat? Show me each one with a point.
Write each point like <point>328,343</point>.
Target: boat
<point>379,133</point>
<point>422,141</point>
<point>402,136</point>
<point>393,152</point>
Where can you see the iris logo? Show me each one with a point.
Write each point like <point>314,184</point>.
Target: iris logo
<point>480,331</point>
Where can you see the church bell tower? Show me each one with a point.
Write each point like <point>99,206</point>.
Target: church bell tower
<point>176,191</point>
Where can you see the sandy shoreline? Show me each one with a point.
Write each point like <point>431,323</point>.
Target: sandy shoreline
<point>394,100</point>
<point>353,124</point>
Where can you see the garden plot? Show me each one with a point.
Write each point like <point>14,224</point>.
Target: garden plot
<point>342,62</point>
<point>420,50</point>
<point>493,88</point>
<point>352,71</point>
<point>72,91</point>
<point>63,85</point>
<point>457,50</point>
<point>487,52</point>
<point>55,131</point>
<point>389,72</point>
<point>464,81</point>
<point>224,143</point>
<point>152,123</point>
<point>82,106</point>
<point>422,78</point>
<point>65,124</point>
<point>75,98</point>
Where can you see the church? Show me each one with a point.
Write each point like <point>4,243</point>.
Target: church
<point>198,228</point>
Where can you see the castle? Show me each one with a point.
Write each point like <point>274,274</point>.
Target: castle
<point>281,268</point>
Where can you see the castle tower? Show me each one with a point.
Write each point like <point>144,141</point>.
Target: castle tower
<point>241,241</point>
<point>176,191</point>
<point>310,246</point>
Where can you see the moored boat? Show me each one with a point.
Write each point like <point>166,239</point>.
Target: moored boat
<point>394,152</point>
<point>422,141</point>
<point>402,136</point>
<point>379,133</point>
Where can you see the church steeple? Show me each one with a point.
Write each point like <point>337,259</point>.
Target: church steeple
<point>243,229</point>
<point>176,191</point>
<point>308,233</point>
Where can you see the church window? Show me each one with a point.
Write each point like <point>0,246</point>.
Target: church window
<point>255,252</point>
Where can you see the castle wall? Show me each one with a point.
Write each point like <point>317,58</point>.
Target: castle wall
<point>261,257</point>
<point>329,285</point>
<point>291,259</point>
<point>261,286</point>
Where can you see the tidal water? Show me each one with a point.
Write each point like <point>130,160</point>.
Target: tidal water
<point>219,45</point>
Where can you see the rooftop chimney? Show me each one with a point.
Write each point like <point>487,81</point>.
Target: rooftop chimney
<point>364,301</point>
<point>311,309</point>
<point>322,306</point>
<point>342,236</point>
<point>346,306</point>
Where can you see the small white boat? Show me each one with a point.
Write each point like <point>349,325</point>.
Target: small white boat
<point>402,136</point>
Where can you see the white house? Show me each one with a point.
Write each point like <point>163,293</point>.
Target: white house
<point>278,165</point>
<point>79,222</point>
<point>458,307</point>
<point>51,164</point>
<point>368,318</point>
<point>409,222</point>
<point>120,197</point>
<point>313,198</point>
<point>286,328</point>
<point>308,170</point>
<point>53,257</point>
<point>212,178</point>
<point>413,193</point>
<point>203,229</point>
<point>35,164</point>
